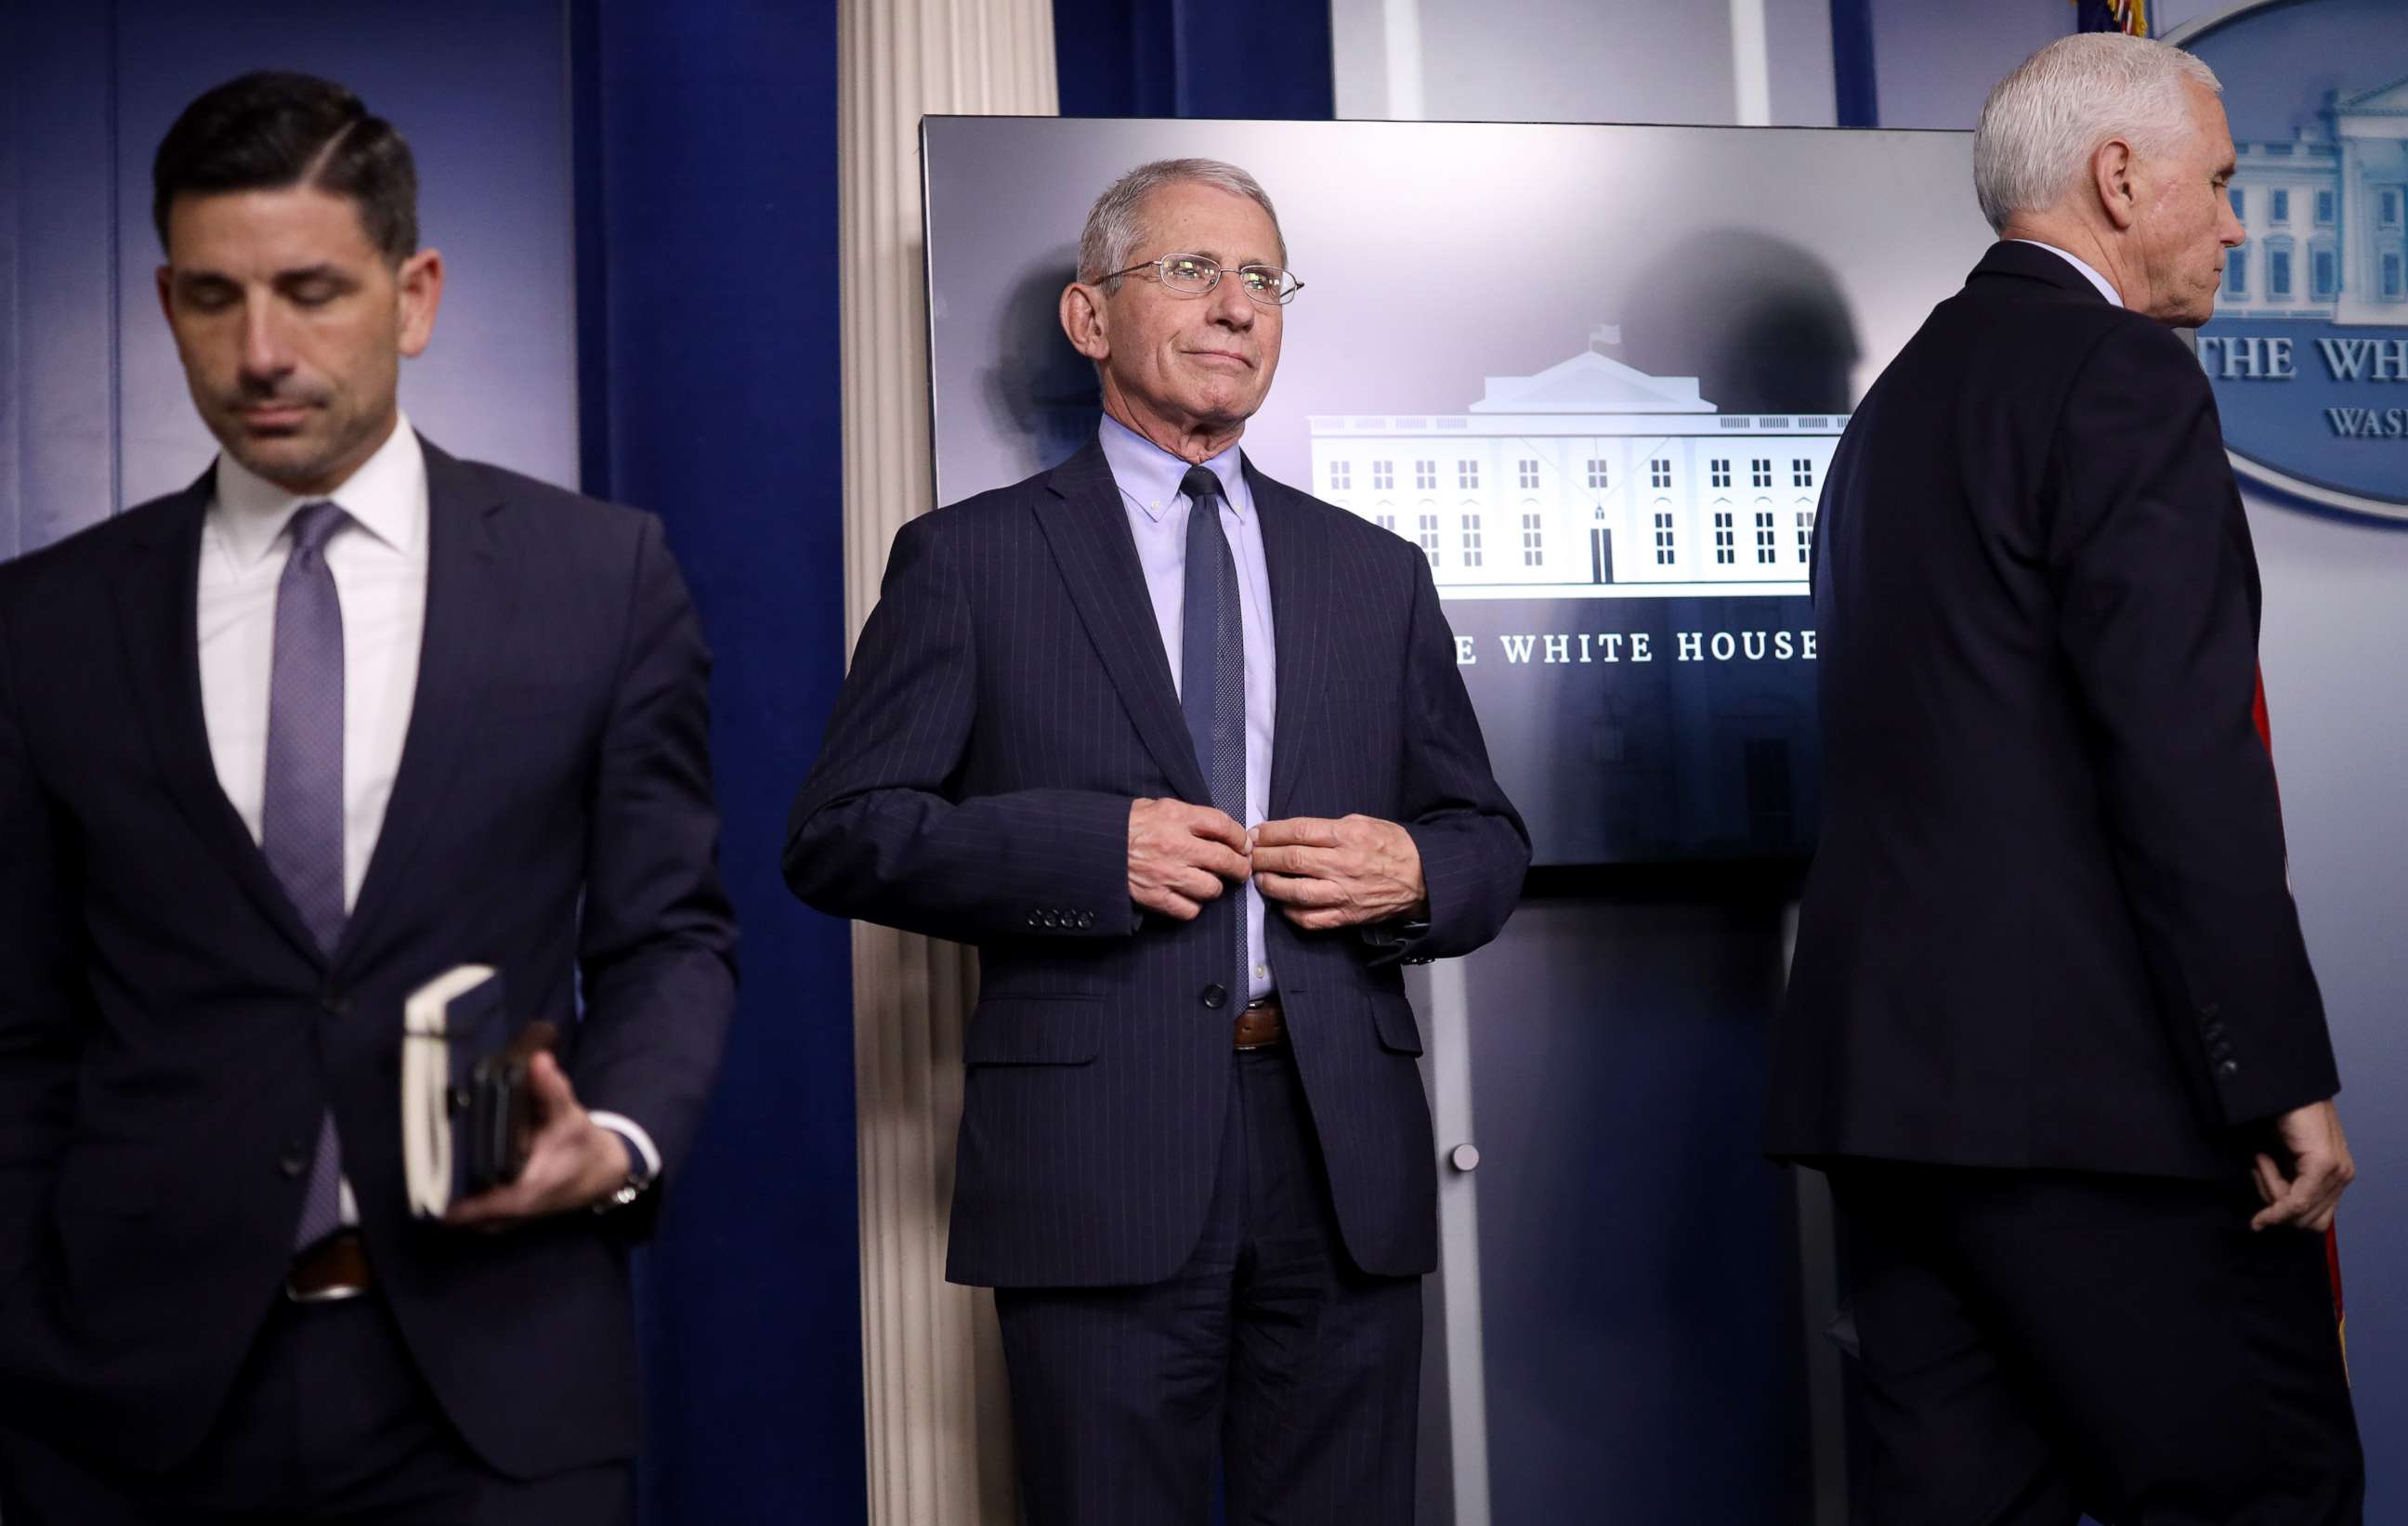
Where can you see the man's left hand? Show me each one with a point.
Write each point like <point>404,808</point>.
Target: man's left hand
<point>572,1162</point>
<point>1345,872</point>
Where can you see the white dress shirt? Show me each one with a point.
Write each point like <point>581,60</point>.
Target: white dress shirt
<point>378,564</point>
<point>2106,288</point>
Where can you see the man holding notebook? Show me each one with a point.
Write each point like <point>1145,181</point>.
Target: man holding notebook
<point>276,752</point>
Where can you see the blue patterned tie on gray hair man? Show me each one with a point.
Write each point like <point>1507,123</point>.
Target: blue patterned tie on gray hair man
<point>1213,661</point>
<point>301,811</point>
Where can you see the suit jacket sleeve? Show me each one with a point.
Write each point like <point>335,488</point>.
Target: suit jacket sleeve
<point>40,1010</point>
<point>2158,621</point>
<point>657,941</point>
<point>877,831</point>
<point>1474,848</point>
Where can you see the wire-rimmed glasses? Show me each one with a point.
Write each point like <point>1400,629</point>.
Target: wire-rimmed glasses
<point>1193,274</point>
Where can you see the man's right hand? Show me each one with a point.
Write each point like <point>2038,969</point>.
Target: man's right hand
<point>1180,855</point>
<point>2307,1190</point>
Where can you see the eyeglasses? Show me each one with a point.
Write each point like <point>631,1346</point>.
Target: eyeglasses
<point>1193,274</point>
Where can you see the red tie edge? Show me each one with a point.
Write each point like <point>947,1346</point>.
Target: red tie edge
<point>2332,1236</point>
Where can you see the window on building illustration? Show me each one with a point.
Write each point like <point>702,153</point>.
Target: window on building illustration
<point>1429,537</point>
<point>1759,472</point>
<point>1725,541</point>
<point>1342,475</point>
<point>1425,475</point>
<point>1385,521</point>
<point>1599,479</point>
<point>1664,548</point>
<point>1384,476</point>
<point>2236,273</point>
<point>1660,471</point>
<point>2278,273</point>
<point>1717,472</point>
<point>2387,207</point>
<point>2324,209</point>
<point>2239,203</point>
<point>1534,541</point>
<point>1526,473</point>
<point>1805,535</point>
<point>1471,540</point>
<point>1764,541</point>
<point>1802,472</point>
<point>1467,473</point>
<point>2391,274</point>
<point>2278,206</point>
<point>2324,271</point>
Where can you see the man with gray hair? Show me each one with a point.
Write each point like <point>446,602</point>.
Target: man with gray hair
<point>1183,751</point>
<point>2051,1027</point>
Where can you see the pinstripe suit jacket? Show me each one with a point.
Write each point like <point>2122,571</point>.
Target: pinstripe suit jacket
<point>1009,699</point>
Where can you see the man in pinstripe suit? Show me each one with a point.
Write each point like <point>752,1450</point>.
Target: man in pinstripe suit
<point>1195,797</point>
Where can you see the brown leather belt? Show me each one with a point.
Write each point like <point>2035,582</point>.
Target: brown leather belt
<point>333,1269</point>
<point>1261,1025</point>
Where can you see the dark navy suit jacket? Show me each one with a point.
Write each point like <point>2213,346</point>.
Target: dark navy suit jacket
<point>2049,924</point>
<point>170,1032</point>
<point>1009,699</point>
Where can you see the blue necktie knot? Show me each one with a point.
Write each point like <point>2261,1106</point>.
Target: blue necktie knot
<point>314,524</point>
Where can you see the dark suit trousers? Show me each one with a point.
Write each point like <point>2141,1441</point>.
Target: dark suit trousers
<point>2039,1344</point>
<point>329,1422</point>
<point>1267,1346</point>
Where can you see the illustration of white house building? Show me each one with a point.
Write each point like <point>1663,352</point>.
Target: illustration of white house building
<point>2327,216</point>
<point>1590,479</point>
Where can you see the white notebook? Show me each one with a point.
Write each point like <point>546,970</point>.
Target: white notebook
<point>447,1024</point>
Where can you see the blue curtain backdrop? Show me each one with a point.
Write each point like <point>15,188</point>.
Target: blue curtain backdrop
<point>1180,58</point>
<point>708,341</point>
<point>1854,97</point>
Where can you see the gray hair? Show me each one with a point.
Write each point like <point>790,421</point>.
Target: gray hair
<point>1114,229</point>
<point>2044,121</point>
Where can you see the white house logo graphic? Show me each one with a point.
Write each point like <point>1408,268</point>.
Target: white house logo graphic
<point>1590,479</point>
<point>2308,352</point>
<point>2327,216</point>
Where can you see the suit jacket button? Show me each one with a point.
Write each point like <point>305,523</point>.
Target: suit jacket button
<point>1087,918</point>
<point>294,1160</point>
<point>1037,918</point>
<point>335,1002</point>
<point>2228,1068</point>
<point>1214,997</point>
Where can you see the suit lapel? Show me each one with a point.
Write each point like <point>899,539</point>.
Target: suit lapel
<point>470,597</point>
<point>1080,514</point>
<point>157,592</point>
<point>1296,548</point>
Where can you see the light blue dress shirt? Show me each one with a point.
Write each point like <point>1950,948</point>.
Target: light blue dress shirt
<point>1148,477</point>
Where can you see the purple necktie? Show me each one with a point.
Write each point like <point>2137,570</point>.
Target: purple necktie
<point>1213,663</point>
<point>301,810</point>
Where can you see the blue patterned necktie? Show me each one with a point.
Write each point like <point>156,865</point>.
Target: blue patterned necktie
<point>1213,663</point>
<point>301,809</point>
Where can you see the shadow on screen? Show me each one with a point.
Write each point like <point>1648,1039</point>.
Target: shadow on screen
<point>1040,393</point>
<point>1702,761</point>
<point>1759,321</point>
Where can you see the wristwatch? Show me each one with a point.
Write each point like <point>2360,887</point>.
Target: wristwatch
<point>1397,935</point>
<point>639,1177</point>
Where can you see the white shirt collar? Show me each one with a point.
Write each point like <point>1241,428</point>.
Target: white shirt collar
<point>2105,289</point>
<point>386,497</point>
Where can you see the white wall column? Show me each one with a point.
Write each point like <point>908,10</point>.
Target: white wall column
<point>938,1425</point>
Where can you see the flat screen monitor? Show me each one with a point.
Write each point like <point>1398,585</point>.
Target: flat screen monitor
<point>1594,373</point>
